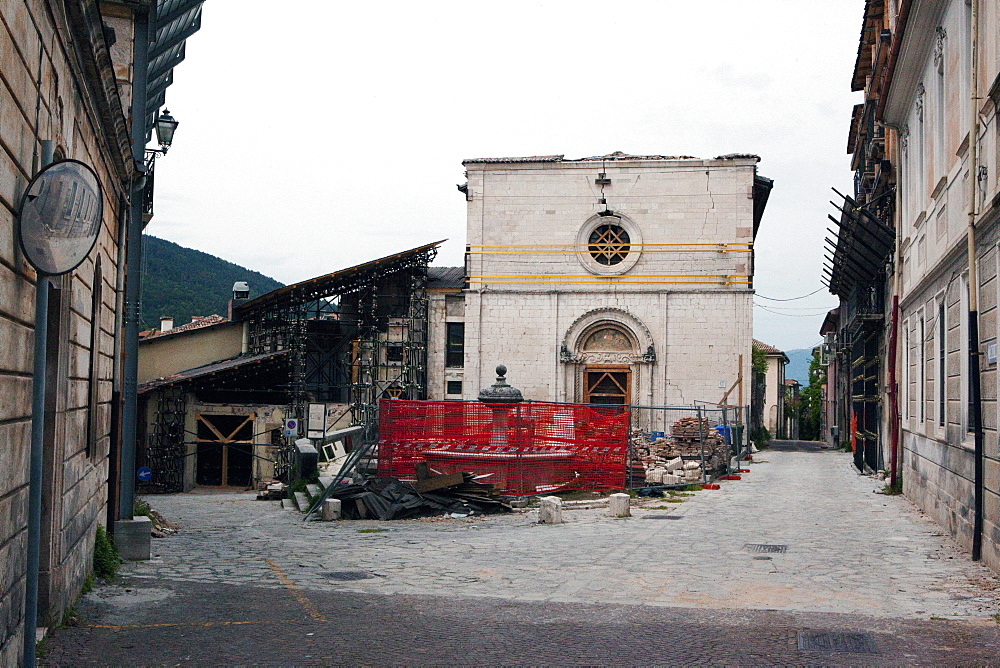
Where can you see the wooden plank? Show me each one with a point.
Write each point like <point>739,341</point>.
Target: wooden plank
<point>439,482</point>
<point>423,473</point>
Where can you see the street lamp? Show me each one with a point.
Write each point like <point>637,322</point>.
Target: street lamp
<point>165,127</point>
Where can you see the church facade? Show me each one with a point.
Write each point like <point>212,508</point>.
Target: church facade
<point>611,279</point>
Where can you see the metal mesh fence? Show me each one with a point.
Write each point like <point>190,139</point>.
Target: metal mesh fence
<point>526,448</point>
<point>677,445</point>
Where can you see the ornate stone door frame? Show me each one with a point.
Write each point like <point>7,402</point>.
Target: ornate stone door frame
<point>639,360</point>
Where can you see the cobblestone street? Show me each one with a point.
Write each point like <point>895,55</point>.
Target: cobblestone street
<point>246,582</point>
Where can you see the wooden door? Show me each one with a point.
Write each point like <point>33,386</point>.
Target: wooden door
<point>607,385</point>
<point>225,450</point>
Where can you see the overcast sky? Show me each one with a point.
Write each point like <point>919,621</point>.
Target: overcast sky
<point>324,134</point>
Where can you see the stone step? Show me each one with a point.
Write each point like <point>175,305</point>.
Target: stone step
<point>288,504</point>
<point>325,481</point>
<point>302,501</point>
<point>314,490</point>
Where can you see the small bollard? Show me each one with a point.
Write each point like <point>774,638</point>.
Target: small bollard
<point>331,510</point>
<point>550,511</point>
<point>618,505</point>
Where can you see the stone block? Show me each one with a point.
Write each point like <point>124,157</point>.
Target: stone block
<point>618,505</point>
<point>655,476</point>
<point>674,464</point>
<point>133,538</point>
<point>331,510</point>
<point>691,466</point>
<point>550,510</point>
<point>670,479</point>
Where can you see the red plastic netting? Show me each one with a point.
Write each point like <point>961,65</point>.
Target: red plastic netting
<point>526,448</point>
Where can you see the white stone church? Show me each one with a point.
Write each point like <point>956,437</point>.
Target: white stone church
<point>611,279</point>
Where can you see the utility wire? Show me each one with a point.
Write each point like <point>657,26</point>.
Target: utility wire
<point>791,299</point>
<point>793,315</point>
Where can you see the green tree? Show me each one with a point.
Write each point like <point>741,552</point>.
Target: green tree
<point>812,401</point>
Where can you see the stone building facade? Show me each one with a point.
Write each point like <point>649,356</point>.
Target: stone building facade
<point>66,92</point>
<point>59,83</point>
<point>910,339</point>
<point>612,279</point>
<point>947,168</point>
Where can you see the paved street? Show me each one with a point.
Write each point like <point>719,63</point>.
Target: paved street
<point>677,583</point>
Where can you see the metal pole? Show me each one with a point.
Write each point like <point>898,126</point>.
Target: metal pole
<point>701,440</point>
<point>35,478</point>
<point>133,264</point>
<point>37,448</point>
<point>975,397</point>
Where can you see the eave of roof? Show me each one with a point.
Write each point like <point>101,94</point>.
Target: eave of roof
<point>207,322</point>
<point>617,156</point>
<point>208,370</point>
<point>304,291</point>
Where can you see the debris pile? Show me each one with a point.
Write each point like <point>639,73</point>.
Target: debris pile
<point>662,458</point>
<point>455,494</point>
<point>160,526</point>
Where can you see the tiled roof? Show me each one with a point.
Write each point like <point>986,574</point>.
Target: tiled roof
<point>766,348</point>
<point>199,323</point>
<point>445,278</point>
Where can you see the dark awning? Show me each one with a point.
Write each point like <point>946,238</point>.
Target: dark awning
<point>860,249</point>
<point>171,23</point>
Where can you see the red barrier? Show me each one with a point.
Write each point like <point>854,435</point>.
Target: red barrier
<point>526,448</point>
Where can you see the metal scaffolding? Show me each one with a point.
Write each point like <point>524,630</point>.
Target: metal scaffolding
<point>353,337</point>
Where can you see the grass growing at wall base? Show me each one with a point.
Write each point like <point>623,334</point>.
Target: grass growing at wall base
<point>106,557</point>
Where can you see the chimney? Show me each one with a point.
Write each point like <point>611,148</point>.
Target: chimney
<point>166,323</point>
<point>241,295</point>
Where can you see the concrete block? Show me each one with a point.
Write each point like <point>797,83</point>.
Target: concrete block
<point>550,511</point>
<point>331,510</point>
<point>133,538</point>
<point>674,464</point>
<point>618,505</point>
<point>670,479</point>
<point>655,476</point>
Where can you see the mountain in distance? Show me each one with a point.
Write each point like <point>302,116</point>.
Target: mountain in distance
<point>798,365</point>
<point>182,282</point>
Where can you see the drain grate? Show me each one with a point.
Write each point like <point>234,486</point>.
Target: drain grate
<point>758,547</point>
<point>821,641</point>
<point>347,576</point>
<point>661,517</point>
<point>762,558</point>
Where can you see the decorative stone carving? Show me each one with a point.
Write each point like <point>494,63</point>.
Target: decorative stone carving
<point>904,136</point>
<point>920,101</point>
<point>573,348</point>
<point>941,34</point>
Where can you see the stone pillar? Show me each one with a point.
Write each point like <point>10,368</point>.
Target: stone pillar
<point>331,510</point>
<point>618,505</point>
<point>550,511</point>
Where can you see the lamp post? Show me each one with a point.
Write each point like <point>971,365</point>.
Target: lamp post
<point>166,125</point>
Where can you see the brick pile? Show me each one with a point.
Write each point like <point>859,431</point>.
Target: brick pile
<point>662,459</point>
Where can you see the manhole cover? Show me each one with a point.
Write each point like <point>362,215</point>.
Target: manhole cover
<point>755,547</point>
<point>661,517</point>
<point>345,576</point>
<point>820,641</point>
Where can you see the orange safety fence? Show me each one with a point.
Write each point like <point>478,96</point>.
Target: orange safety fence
<point>525,448</point>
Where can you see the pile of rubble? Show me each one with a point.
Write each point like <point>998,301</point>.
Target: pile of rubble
<point>455,494</point>
<point>676,459</point>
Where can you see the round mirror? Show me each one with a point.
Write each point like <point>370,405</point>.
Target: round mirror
<point>60,217</point>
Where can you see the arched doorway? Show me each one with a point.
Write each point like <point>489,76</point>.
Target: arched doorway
<point>607,383</point>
